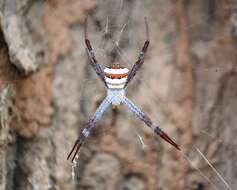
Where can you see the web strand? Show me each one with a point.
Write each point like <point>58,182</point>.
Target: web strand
<point>199,171</point>
<point>213,168</point>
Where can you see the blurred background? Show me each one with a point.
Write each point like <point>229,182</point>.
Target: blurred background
<point>187,85</point>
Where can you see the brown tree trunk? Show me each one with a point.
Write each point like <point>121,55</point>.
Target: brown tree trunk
<point>187,85</point>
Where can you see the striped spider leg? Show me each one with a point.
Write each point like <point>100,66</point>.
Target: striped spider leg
<point>134,109</point>
<point>91,54</point>
<point>141,56</point>
<point>87,127</point>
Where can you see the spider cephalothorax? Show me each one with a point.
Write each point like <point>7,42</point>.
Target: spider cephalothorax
<point>115,79</point>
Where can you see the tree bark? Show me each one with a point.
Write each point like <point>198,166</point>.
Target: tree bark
<point>48,89</point>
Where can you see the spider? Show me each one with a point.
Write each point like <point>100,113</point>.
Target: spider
<point>116,79</point>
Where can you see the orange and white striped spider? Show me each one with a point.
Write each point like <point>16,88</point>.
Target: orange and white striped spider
<point>116,79</point>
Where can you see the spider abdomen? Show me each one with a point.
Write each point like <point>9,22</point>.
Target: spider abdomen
<point>116,77</point>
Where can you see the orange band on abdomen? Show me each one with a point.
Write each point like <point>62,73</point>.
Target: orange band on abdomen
<point>110,75</point>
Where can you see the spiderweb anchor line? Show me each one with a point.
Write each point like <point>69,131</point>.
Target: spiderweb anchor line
<point>107,26</point>
<point>213,168</point>
<point>121,53</point>
<point>141,140</point>
<point>199,171</point>
<point>120,34</point>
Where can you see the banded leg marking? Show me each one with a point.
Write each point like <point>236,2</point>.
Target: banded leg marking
<point>87,127</point>
<point>142,116</point>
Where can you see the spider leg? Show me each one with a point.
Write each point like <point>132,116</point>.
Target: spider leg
<point>76,144</point>
<point>87,127</point>
<point>134,109</point>
<point>141,56</point>
<point>91,54</point>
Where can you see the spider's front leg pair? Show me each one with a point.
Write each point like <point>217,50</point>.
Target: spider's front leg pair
<point>96,66</point>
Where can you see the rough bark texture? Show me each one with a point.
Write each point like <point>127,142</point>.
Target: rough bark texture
<point>187,85</point>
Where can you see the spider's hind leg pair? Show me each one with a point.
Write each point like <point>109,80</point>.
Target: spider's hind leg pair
<point>115,79</point>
